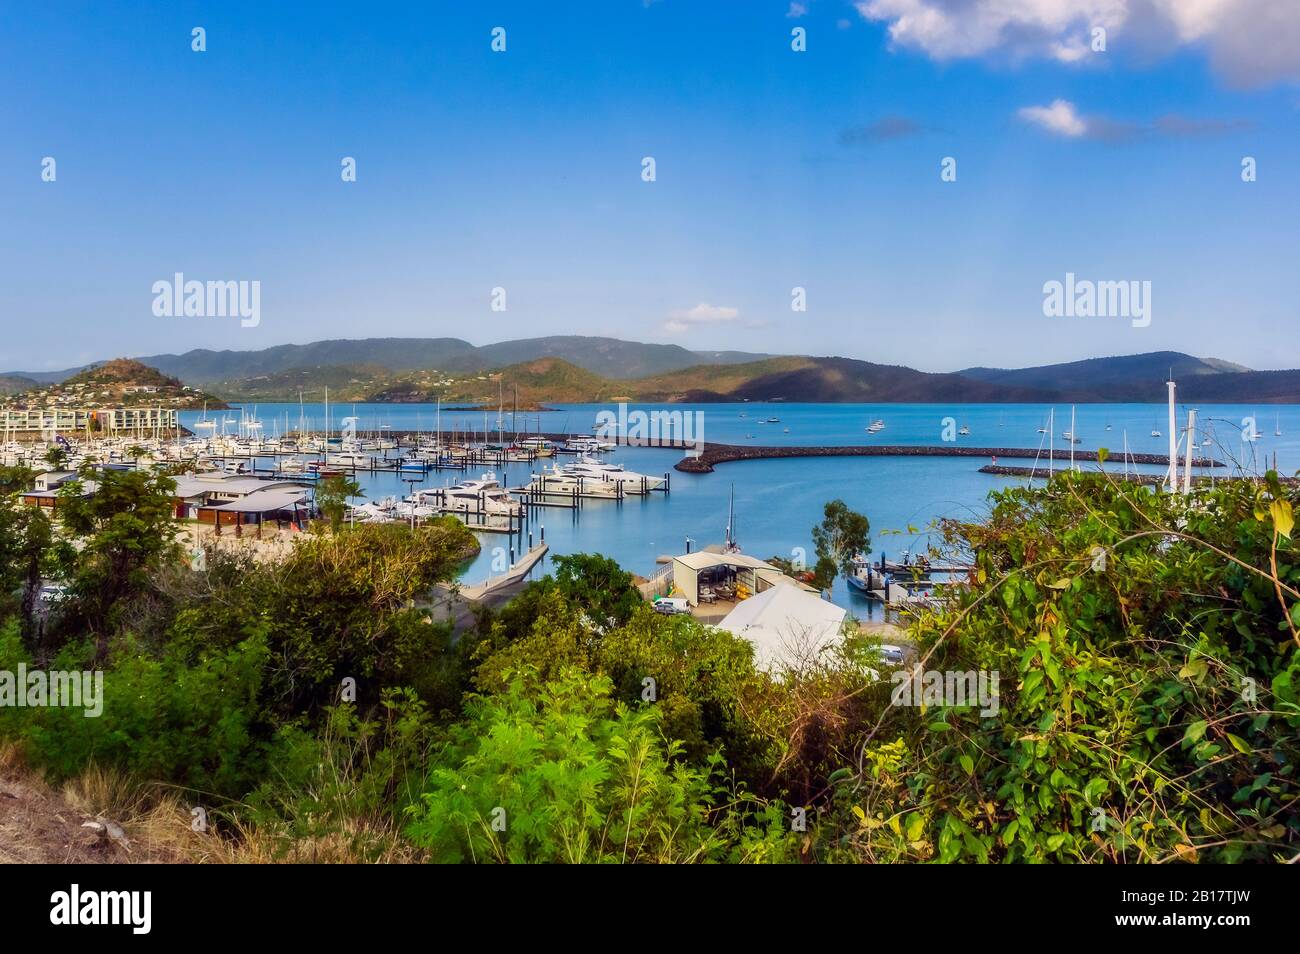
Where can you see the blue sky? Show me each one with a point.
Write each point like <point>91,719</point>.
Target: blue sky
<point>775,169</point>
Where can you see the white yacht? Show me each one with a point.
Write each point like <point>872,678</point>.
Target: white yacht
<point>594,470</point>
<point>876,426</point>
<point>484,495</point>
<point>585,444</point>
<point>350,459</point>
<point>557,480</point>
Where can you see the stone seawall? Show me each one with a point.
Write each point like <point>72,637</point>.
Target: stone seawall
<point>714,454</point>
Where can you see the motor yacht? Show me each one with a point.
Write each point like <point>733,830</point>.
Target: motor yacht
<point>484,495</point>
<point>595,470</point>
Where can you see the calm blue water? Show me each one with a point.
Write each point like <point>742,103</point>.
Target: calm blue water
<point>779,501</point>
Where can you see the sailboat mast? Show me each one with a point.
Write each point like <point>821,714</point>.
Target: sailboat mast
<point>731,517</point>
<point>1051,443</point>
<point>1172,476</point>
<point>1072,437</point>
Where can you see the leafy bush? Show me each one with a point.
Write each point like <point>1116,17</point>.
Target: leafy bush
<point>557,772</point>
<point>1147,653</point>
<point>195,725</point>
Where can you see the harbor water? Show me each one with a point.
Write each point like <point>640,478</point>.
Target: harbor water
<point>778,501</point>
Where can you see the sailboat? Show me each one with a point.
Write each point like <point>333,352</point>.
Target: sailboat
<point>1155,430</point>
<point>731,546</point>
<point>1277,425</point>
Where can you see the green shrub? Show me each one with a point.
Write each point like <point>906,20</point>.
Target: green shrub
<point>558,772</point>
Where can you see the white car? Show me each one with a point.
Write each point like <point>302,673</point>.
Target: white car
<point>672,606</point>
<point>892,654</point>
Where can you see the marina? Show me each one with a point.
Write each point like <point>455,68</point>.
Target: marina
<point>581,491</point>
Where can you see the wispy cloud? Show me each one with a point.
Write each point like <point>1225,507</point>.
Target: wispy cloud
<point>1175,125</point>
<point>1062,118</point>
<point>682,321</point>
<point>882,130</point>
<point>797,10</point>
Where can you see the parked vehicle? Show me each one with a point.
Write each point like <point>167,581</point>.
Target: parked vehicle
<point>672,605</point>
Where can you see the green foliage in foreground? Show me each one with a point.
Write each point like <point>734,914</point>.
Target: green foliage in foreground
<point>1148,697</point>
<point>556,771</point>
<point>1147,651</point>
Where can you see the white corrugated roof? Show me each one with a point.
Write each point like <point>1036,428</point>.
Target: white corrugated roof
<point>701,560</point>
<point>191,485</point>
<point>786,624</point>
<point>264,501</point>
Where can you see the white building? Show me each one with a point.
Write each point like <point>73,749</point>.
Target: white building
<point>787,625</point>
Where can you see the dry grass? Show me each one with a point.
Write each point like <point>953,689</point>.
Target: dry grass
<point>42,825</point>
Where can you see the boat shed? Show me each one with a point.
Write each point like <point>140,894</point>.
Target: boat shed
<point>749,574</point>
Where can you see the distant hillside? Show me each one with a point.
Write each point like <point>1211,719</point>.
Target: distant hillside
<point>1127,378</point>
<point>608,357</point>
<point>825,380</point>
<point>567,368</point>
<point>535,383</point>
<point>345,383</point>
<point>14,383</point>
<point>121,382</point>
<point>1253,387</point>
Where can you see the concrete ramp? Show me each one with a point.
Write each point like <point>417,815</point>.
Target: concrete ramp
<point>521,568</point>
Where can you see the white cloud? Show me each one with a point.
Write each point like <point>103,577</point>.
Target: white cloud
<point>1060,117</point>
<point>797,10</point>
<point>680,322</point>
<point>958,28</point>
<point>1249,42</point>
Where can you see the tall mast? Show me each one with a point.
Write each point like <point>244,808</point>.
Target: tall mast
<point>1172,477</point>
<point>1051,443</point>
<point>731,517</point>
<point>1073,437</point>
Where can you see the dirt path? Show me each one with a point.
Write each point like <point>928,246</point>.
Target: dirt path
<point>38,826</point>
<point>41,825</point>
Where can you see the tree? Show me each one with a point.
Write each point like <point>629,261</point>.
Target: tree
<point>26,546</point>
<point>129,531</point>
<point>843,535</point>
<point>56,457</point>
<point>599,586</point>
<point>332,496</point>
<point>14,480</point>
